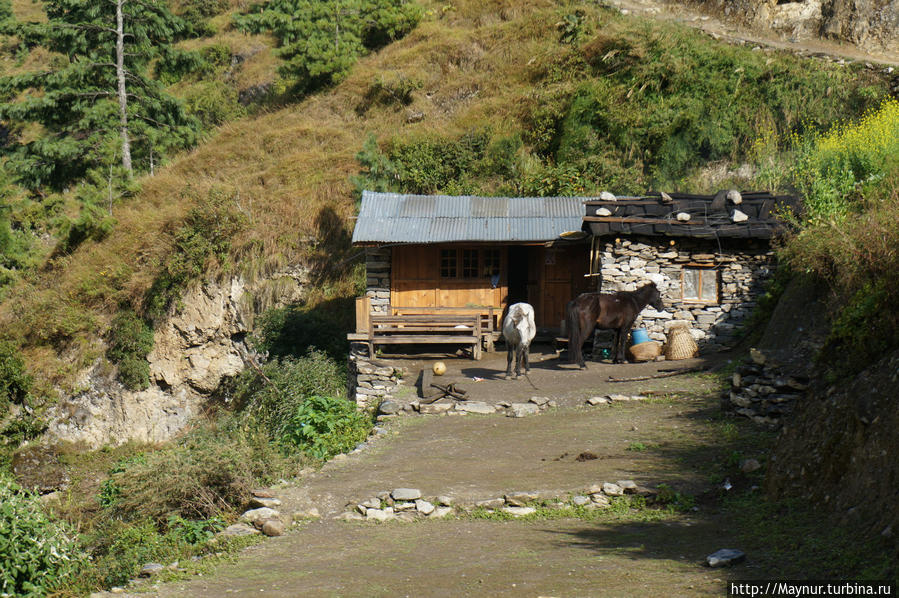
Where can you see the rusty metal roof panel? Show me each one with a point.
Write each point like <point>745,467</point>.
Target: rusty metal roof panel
<point>400,218</point>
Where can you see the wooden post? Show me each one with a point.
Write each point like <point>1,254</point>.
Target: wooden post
<point>363,314</point>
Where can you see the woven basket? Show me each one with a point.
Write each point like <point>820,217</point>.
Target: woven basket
<point>680,344</point>
<point>645,351</point>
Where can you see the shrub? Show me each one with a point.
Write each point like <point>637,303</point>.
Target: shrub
<point>15,382</point>
<point>130,341</point>
<point>273,400</point>
<point>37,554</point>
<point>208,473</point>
<point>293,330</point>
<point>325,426</point>
<point>205,235</point>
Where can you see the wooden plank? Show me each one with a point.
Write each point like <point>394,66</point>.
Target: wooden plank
<point>413,339</point>
<point>363,312</point>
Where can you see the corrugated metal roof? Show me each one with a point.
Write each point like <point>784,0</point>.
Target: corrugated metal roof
<point>399,218</point>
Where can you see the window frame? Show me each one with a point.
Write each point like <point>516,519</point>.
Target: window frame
<point>703,270</point>
<point>462,263</point>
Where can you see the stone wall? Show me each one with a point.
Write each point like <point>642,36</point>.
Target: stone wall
<point>377,281</point>
<point>742,270</point>
<point>370,383</point>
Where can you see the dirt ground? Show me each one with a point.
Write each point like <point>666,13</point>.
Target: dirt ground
<point>550,376</point>
<point>671,439</point>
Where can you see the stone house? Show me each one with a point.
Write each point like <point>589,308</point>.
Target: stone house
<point>710,256</point>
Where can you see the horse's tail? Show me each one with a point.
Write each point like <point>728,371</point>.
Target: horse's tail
<point>575,341</point>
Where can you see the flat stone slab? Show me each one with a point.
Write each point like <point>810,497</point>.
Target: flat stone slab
<point>239,529</point>
<point>523,409</point>
<point>598,401</point>
<point>260,514</point>
<point>725,557</point>
<point>434,408</point>
<point>478,407</point>
<point>519,511</point>
<point>610,489</point>
<point>440,512</point>
<point>406,494</point>
<point>258,502</point>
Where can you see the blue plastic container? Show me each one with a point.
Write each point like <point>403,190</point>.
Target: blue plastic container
<point>639,335</point>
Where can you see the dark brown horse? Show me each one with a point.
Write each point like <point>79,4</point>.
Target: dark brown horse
<point>609,311</point>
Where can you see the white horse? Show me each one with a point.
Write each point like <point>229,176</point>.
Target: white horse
<point>519,330</point>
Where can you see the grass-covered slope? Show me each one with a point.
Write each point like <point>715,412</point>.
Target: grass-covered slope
<point>537,98</point>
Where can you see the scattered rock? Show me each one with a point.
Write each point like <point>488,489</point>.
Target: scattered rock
<point>259,515</point>
<point>586,456</point>
<point>262,493</point>
<point>350,516</point>
<point>310,513</point>
<point>273,527</point>
<point>406,494</point>
<point>440,512</point>
<point>424,507</point>
<point>260,502</point>
<point>403,506</point>
<point>539,401</point>
<point>600,500</point>
<point>491,503</point>
<point>683,217</point>
<point>599,401</point>
<point>446,501</point>
<point>734,197</point>
<point>239,529</point>
<point>595,489</point>
<point>580,500</point>
<point>610,489</point>
<point>520,499</point>
<point>739,216</point>
<point>434,408</point>
<point>523,409</point>
<point>478,407</point>
<point>519,511</point>
<point>390,407</point>
<point>606,196</point>
<point>749,465</point>
<point>379,514</point>
<point>725,557</point>
<point>150,569</point>
<point>603,212</point>
<point>629,486</point>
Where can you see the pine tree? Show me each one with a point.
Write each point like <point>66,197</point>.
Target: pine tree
<point>321,39</point>
<point>101,106</point>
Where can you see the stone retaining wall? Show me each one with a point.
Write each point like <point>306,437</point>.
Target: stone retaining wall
<point>370,384</point>
<point>741,270</point>
<point>377,278</point>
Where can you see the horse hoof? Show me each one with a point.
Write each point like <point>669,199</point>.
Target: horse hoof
<point>507,377</point>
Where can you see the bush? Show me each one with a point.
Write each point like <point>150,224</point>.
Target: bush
<point>325,426</point>
<point>273,400</point>
<point>293,330</point>
<point>208,473</point>
<point>130,341</point>
<point>15,382</point>
<point>206,234</point>
<point>37,554</point>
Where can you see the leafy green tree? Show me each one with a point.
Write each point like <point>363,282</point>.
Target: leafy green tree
<point>322,39</point>
<point>99,105</point>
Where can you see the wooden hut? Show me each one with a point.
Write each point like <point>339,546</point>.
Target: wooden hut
<point>438,264</point>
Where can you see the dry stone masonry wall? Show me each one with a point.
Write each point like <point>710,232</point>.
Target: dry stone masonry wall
<point>377,281</point>
<point>740,271</point>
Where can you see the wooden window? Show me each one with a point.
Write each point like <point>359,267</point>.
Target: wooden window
<point>448,263</point>
<point>469,263</point>
<point>491,262</point>
<point>699,285</point>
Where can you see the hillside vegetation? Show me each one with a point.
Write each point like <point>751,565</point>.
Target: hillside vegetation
<point>275,141</point>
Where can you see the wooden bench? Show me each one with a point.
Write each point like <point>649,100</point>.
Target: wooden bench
<point>459,329</point>
<point>489,318</point>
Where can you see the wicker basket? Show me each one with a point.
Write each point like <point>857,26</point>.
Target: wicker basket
<point>680,344</point>
<point>645,351</point>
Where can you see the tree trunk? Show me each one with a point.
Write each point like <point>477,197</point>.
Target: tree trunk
<point>123,98</point>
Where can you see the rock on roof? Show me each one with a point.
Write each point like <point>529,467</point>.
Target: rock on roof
<point>710,216</point>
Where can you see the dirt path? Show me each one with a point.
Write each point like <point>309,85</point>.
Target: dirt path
<point>729,32</point>
<point>675,440</point>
